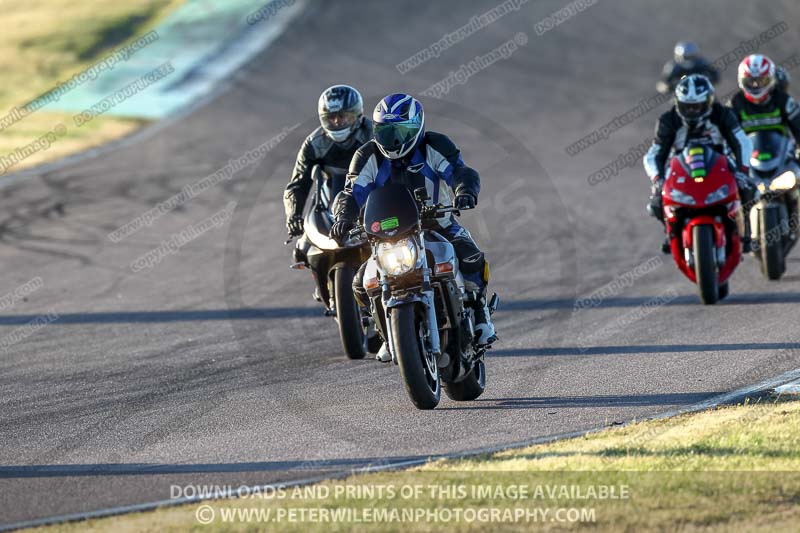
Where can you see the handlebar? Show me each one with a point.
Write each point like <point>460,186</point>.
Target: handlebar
<point>356,232</point>
<point>426,213</point>
<point>436,211</point>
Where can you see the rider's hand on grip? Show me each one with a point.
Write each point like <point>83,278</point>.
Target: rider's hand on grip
<point>340,230</point>
<point>465,201</point>
<point>294,225</point>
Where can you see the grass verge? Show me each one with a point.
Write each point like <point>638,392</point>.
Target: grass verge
<point>728,469</point>
<point>45,42</point>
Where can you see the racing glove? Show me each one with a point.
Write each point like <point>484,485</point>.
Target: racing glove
<point>294,225</point>
<point>466,201</point>
<point>340,229</point>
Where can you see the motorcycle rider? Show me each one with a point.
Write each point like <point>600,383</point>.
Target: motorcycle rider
<point>402,151</point>
<point>343,128</point>
<point>761,105</point>
<point>697,117</point>
<point>687,60</point>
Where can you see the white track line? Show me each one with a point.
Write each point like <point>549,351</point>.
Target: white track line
<point>720,399</point>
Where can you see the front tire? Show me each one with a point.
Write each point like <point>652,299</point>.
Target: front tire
<point>420,377</point>
<point>347,314</point>
<point>772,260</point>
<point>724,290</point>
<point>470,387</point>
<point>705,263</point>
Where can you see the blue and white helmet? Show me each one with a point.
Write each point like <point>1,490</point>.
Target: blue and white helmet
<point>398,123</point>
<point>694,98</point>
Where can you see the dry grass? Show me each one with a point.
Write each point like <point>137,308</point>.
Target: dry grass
<point>44,42</point>
<point>729,469</point>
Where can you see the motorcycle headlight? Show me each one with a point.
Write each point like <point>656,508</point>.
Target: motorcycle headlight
<point>784,182</point>
<point>397,258</point>
<point>681,197</point>
<point>718,195</point>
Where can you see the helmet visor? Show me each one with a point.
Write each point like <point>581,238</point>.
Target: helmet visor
<point>338,120</point>
<point>692,110</point>
<point>757,83</point>
<point>393,135</point>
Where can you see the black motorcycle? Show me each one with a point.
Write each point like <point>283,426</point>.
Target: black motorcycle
<point>333,267</point>
<point>418,298</point>
<point>774,218</point>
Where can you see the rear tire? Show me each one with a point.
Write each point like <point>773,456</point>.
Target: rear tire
<point>772,260</point>
<point>705,263</point>
<point>422,384</point>
<point>470,387</point>
<point>347,314</point>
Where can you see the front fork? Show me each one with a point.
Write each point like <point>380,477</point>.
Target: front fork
<point>426,299</point>
<point>433,326</point>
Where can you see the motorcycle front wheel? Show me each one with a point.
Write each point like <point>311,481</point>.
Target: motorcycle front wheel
<point>419,371</point>
<point>773,264</point>
<point>705,263</point>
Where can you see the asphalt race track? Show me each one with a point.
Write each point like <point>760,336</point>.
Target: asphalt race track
<point>215,366</point>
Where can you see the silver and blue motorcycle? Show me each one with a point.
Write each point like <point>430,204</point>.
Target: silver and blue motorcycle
<point>418,298</point>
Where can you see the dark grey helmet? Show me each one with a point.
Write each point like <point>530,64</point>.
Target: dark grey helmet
<point>340,110</point>
<point>686,51</point>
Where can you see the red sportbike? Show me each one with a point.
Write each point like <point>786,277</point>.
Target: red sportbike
<point>703,217</point>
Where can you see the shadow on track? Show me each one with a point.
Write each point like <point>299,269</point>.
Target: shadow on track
<point>551,402</point>
<point>636,301</point>
<point>134,469</point>
<point>181,315</point>
<point>646,348</point>
<point>272,313</point>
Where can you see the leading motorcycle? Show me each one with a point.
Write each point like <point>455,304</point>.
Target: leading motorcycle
<point>704,219</point>
<point>418,298</point>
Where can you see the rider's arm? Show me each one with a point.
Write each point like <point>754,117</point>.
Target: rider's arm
<point>296,193</point>
<point>740,144</point>
<point>445,158</point>
<point>791,116</point>
<point>655,160</point>
<point>360,182</point>
<point>668,72</point>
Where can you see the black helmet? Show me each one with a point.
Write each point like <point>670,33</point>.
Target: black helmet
<point>340,110</point>
<point>685,51</point>
<point>694,96</point>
